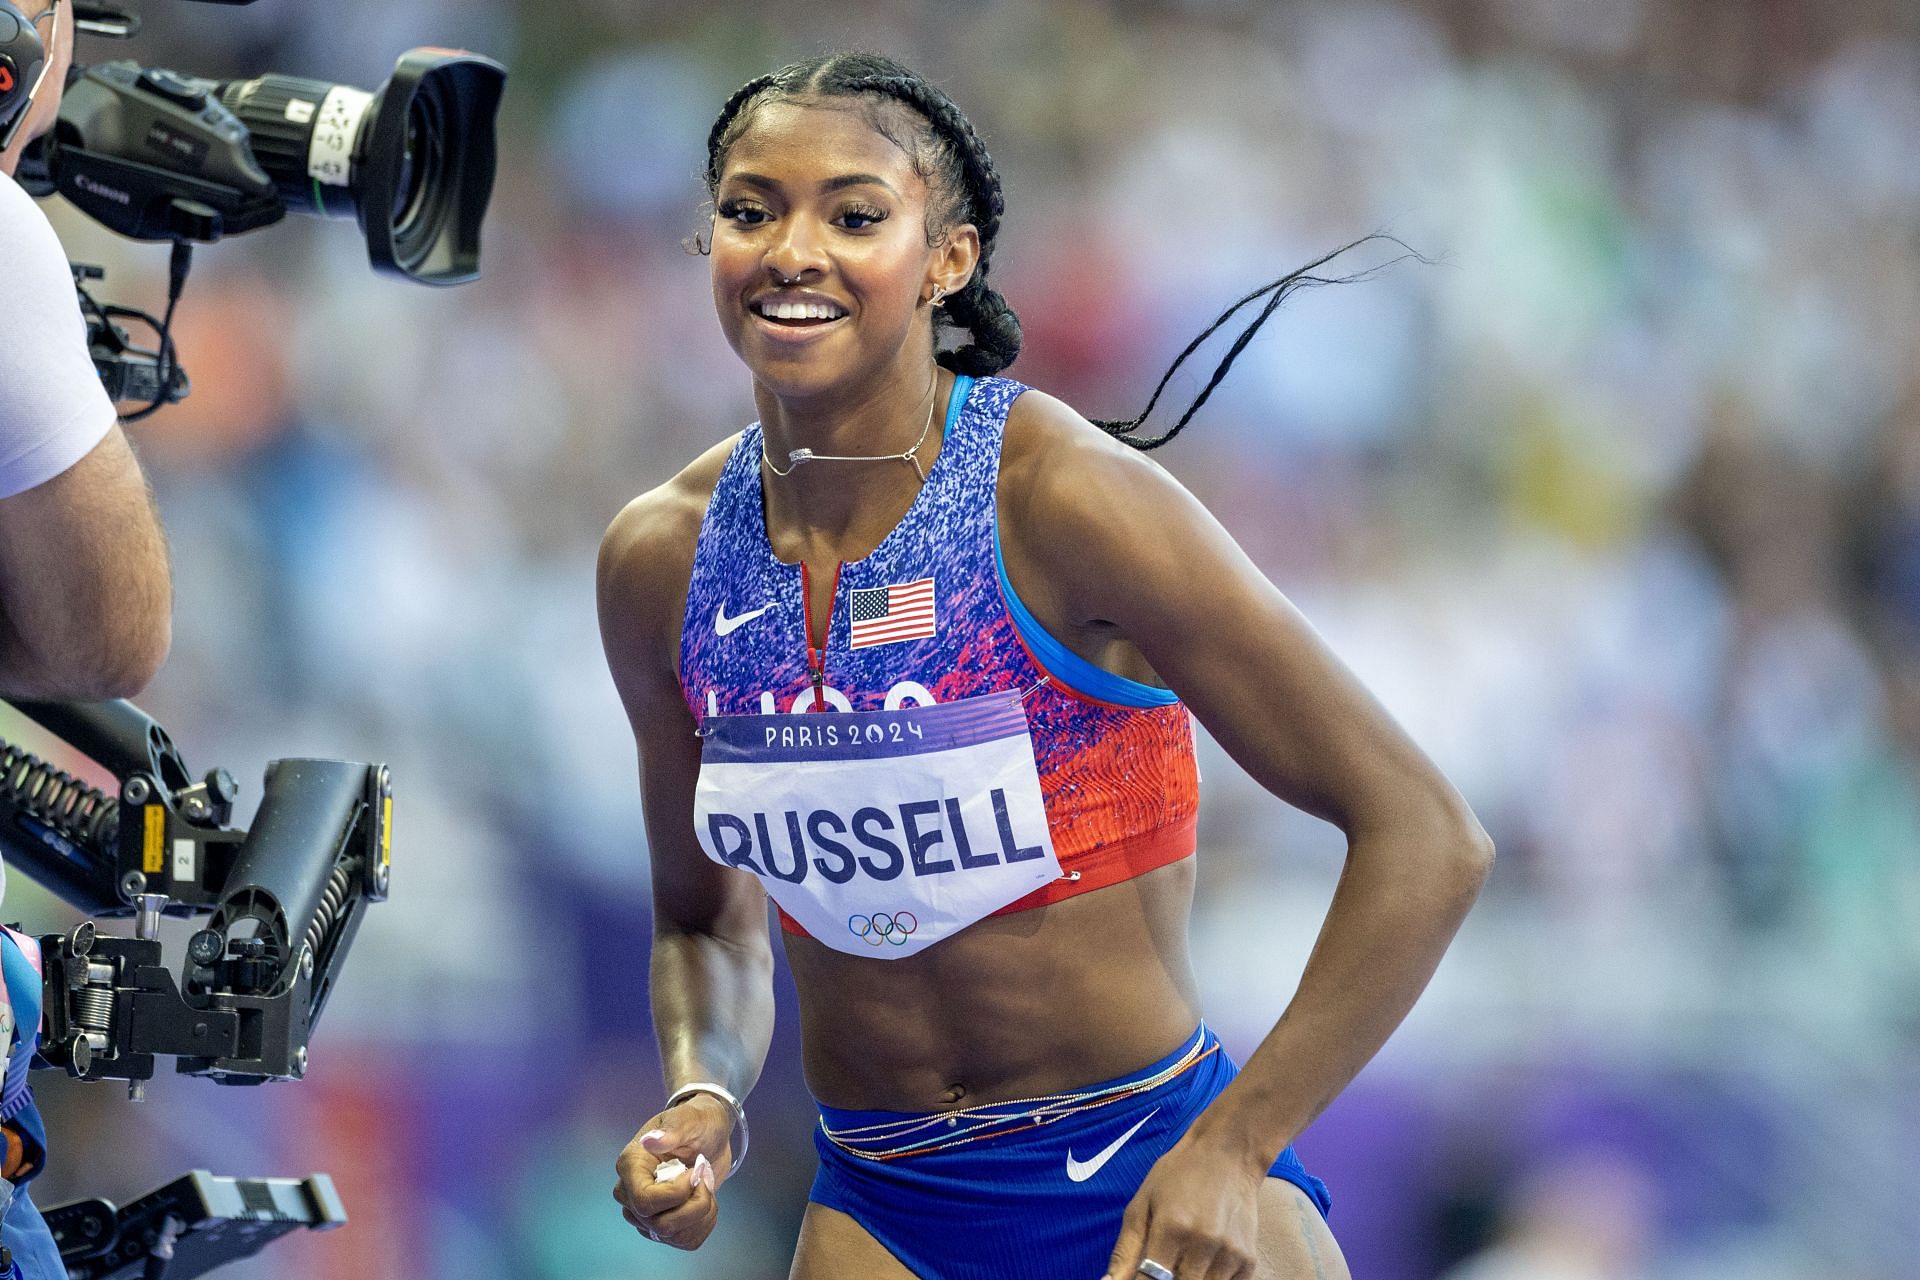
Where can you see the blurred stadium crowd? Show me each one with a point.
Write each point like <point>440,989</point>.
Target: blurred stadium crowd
<point>1616,504</point>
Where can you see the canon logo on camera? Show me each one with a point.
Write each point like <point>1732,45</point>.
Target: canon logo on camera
<point>101,189</point>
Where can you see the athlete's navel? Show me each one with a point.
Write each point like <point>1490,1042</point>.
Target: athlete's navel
<point>952,1094</point>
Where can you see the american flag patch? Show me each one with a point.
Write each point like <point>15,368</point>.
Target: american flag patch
<point>884,615</point>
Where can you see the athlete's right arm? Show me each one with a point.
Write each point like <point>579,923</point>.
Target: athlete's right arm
<point>712,977</point>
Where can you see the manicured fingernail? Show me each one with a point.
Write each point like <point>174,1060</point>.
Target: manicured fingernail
<point>703,1172</point>
<point>653,1135</point>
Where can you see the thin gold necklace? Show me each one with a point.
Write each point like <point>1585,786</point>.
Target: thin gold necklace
<point>912,454</point>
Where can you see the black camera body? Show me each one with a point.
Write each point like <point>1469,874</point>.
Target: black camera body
<point>154,154</point>
<point>157,155</point>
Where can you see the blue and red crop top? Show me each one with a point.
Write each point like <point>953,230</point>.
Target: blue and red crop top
<point>1115,756</point>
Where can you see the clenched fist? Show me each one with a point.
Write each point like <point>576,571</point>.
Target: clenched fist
<point>669,1174</point>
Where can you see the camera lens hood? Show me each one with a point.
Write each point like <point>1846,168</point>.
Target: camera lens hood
<point>412,161</point>
<point>428,164</point>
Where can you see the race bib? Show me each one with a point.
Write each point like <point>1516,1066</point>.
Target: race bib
<point>880,832</point>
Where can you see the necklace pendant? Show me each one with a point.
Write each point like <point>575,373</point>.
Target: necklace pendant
<point>799,456</point>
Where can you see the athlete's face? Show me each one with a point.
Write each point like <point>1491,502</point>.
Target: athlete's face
<point>821,267</point>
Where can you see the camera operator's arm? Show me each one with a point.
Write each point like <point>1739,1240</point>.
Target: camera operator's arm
<point>85,591</point>
<point>84,586</point>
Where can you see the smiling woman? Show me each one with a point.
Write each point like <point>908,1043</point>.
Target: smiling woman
<point>982,851</point>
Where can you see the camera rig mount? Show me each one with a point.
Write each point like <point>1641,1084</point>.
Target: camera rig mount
<point>195,1223</point>
<point>284,897</point>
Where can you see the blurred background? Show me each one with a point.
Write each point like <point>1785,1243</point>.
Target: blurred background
<point>1616,505</point>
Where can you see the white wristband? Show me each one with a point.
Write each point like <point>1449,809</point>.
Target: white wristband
<point>725,1095</point>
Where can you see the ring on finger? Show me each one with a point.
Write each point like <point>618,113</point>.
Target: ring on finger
<point>1153,1270</point>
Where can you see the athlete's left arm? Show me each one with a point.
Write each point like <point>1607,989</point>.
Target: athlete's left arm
<point>1121,548</point>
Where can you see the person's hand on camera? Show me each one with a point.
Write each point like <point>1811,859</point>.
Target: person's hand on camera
<point>679,1209</point>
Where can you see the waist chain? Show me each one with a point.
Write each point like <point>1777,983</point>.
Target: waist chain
<point>910,1136</point>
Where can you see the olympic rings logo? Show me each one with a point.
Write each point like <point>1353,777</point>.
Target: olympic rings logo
<point>880,928</point>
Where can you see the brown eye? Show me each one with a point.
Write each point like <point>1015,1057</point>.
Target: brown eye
<point>741,213</point>
<point>860,217</point>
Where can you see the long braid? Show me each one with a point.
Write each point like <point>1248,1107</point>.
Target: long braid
<point>1280,290</point>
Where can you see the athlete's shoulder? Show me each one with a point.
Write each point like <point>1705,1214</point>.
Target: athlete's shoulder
<point>1079,510</point>
<point>1053,458</point>
<point>661,519</point>
<point>646,555</point>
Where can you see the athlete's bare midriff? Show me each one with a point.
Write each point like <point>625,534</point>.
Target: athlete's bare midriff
<point>1035,1002</point>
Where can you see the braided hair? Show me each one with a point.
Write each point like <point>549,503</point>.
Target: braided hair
<point>947,154</point>
<point>950,157</point>
<point>1275,292</point>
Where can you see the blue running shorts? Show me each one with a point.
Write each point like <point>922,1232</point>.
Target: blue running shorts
<point>1030,1201</point>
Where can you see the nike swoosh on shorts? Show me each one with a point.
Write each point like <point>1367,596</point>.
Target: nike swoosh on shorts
<point>1081,1170</point>
<point>723,625</point>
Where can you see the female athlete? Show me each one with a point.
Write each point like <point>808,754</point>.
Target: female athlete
<point>916,655</point>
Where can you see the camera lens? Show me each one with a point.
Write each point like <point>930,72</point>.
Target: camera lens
<point>414,161</point>
<point>422,194</point>
<point>406,196</point>
<point>418,164</point>
<point>307,135</point>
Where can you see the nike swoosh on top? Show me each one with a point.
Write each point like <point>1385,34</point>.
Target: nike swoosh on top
<point>1081,1170</point>
<point>723,625</point>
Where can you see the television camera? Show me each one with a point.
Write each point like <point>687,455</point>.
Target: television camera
<point>158,155</point>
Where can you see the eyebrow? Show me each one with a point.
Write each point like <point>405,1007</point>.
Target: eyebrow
<point>836,183</point>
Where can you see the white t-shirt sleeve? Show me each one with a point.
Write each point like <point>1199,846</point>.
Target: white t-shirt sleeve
<point>53,410</point>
